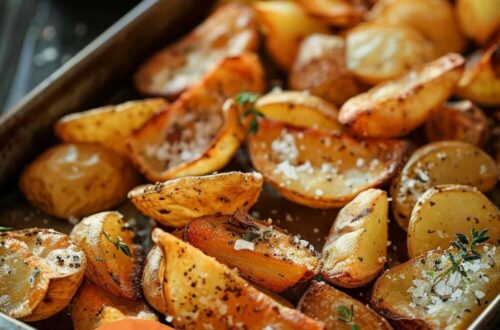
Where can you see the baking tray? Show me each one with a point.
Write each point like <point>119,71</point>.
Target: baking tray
<point>101,74</point>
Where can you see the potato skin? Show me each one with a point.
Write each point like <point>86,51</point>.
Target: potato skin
<point>479,20</point>
<point>152,276</point>
<point>77,180</point>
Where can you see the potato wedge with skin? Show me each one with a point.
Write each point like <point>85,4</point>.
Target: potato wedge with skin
<point>459,121</point>
<point>323,303</point>
<point>445,210</point>
<point>114,257</point>
<point>320,68</point>
<point>263,254</point>
<point>109,125</point>
<point>356,248</point>
<point>318,168</point>
<point>377,52</point>
<point>93,307</point>
<point>40,271</point>
<point>77,180</point>
<point>480,82</point>
<point>230,31</point>
<point>425,293</point>
<point>212,294</point>
<point>152,276</point>
<point>397,107</point>
<point>479,20</point>
<point>334,12</point>
<point>174,203</point>
<point>198,134</point>
<point>285,24</point>
<point>446,162</point>
<point>299,109</point>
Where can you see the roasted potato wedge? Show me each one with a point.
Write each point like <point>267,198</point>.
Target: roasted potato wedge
<point>425,16</point>
<point>318,168</point>
<point>197,135</point>
<point>174,203</point>
<point>445,210</point>
<point>109,125</point>
<point>210,294</point>
<point>261,253</point>
<point>113,254</point>
<point>446,162</point>
<point>77,180</point>
<point>378,52</point>
<point>479,20</point>
<point>458,121</point>
<point>397,107</point>
<point>152,277</point>
<point>299,109</point>
<point>320,68</point>
<point>427,292</point>
<point>480,82</point>
<point>285,24</point>
<point>229,31</point>
<point>334,12</point>
<point>92,308</point>
<point>338,310</point>
<point>40,271</point>
<point>356,248</point>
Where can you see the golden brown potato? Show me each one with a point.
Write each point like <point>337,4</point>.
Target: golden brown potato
<point>445,210</point>
<point>437,163</point>
<point>339,311</point>
<point>285,24</point>
<point>356,248</point>
<point>200,292</point>
<point>229,31</point>
<point>262,253</point>
<point>174,203</point>
<point>299,109</point>
<point>458,121</point>
<point>77,180</point>
<point>40,271</point>
<point>318,168</point>
<point>320,68</point>
<point>109,125</point>
<point>434,19</point>
<point>334,12</point>
<point>429,292</point>
<point>92,308</point>
<point>377,52</point>
<point>197,135</point>
<point>479,19</point>
<point>152,277</point>
<point>114,256</point>
<point>480,82</point>
<point>397,107</point>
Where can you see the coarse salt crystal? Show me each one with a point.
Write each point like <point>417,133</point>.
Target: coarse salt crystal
<point>479,294</point>
<point>242,244</point>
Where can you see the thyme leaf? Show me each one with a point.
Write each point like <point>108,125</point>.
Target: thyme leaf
<point>5,228</point>
<point>248,99</point>
<point>346,315</point>
<point>119,245</point>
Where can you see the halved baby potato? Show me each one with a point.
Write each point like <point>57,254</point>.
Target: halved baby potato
<point>299,109</point>
<point>428,292</point>
<point>113,254</point>
<point>459,121</point>
<point>40,271</point>
<point>285,24</point>
<point>446,162</point>
<point>397,107</point>
<point>324,303</point>
<point>479,20</point>
<point>201,292</point>
<point>356,248</point>
<point>335,12</point>
<point>320,68</point>
<point>319,168</point>
<point>93,307</point>
<point>174,203</point>
<point>445,210</point>
<point>196,134</point>
<point>380,51</point>
<point>262,253</point>
<point>230,31</point>
<point>77,180</point>
<point>109,125</point>
<point>480,82</point>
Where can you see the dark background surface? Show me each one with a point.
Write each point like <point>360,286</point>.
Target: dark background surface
<point>38,36</point>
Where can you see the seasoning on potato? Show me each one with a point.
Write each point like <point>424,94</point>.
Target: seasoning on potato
<point>335,12</point>
<point>75,180</point>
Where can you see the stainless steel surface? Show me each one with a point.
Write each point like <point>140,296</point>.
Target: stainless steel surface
<point>8,323</point>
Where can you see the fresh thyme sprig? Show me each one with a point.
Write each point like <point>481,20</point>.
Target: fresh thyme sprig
<point>347,316</point>
<point>248,99</point>
<point>5,228</point>
<point>119,245</point>
<point>250,235</point>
